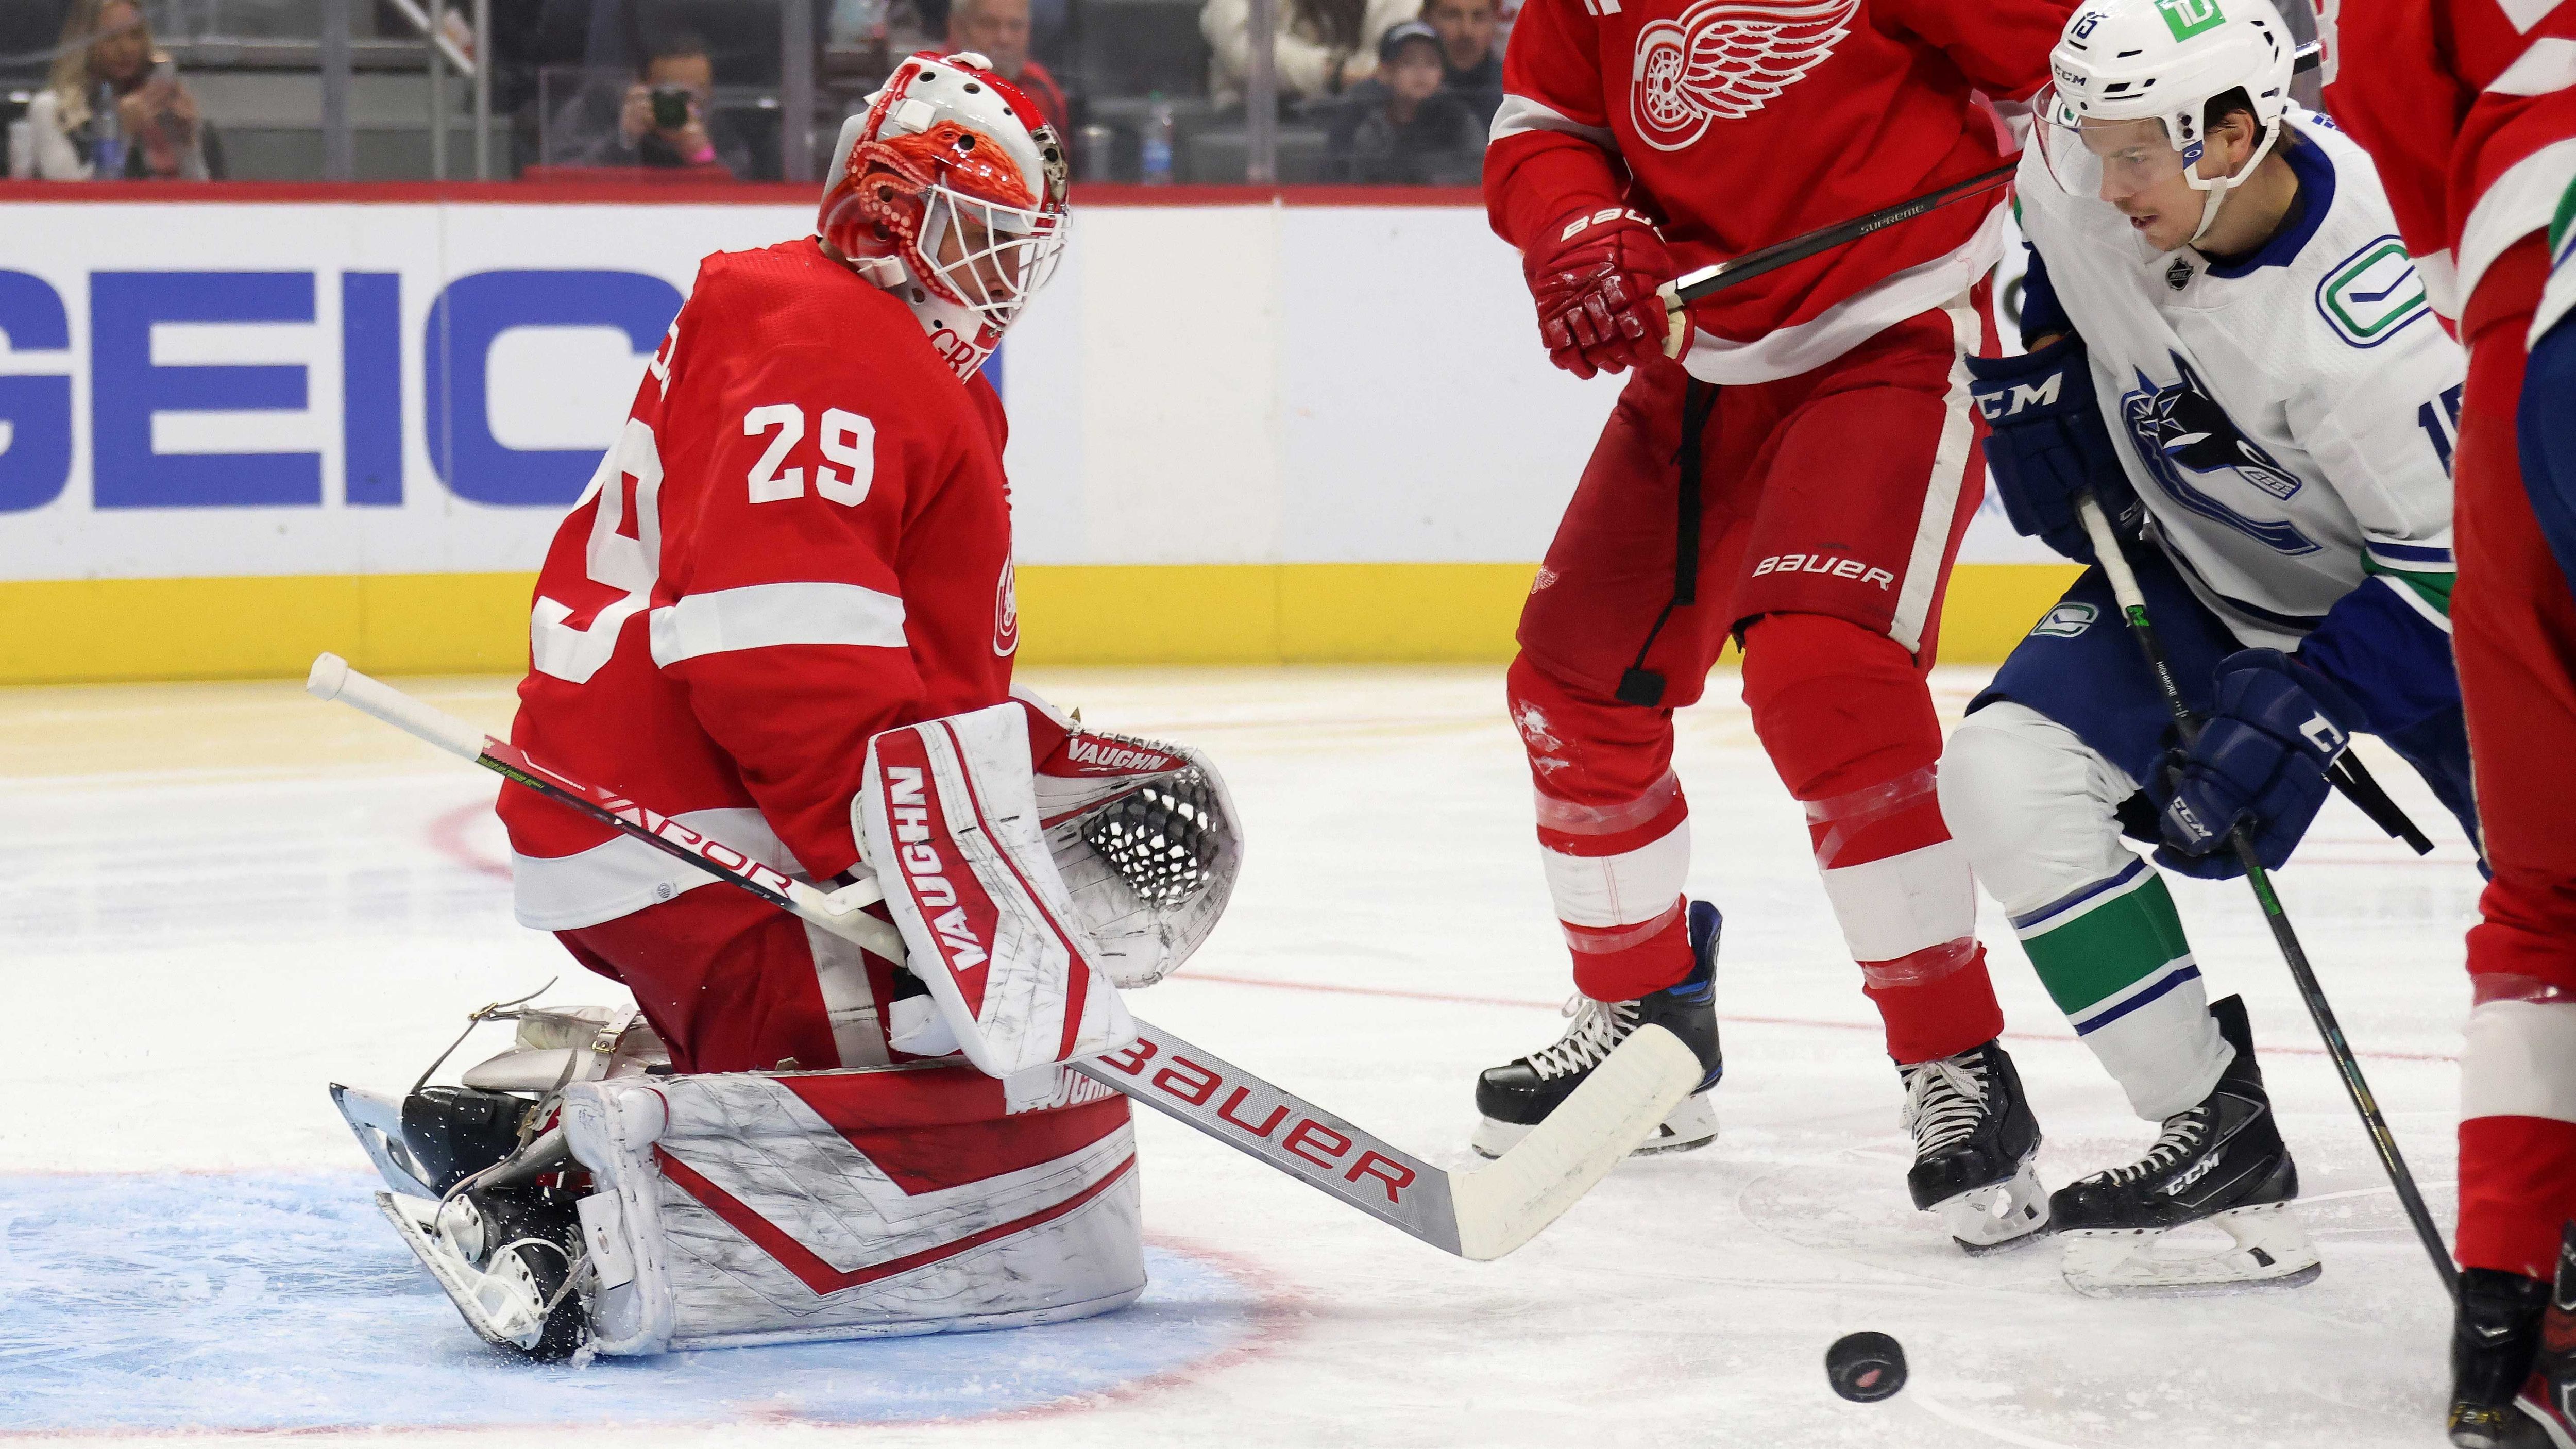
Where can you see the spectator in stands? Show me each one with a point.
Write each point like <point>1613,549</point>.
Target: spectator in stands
<point>999,31</point>
<point>1400,128</point>
<point>1324,46</point>
<point>666,121</point>
<point>113,97</point>
<point>1471,64</point>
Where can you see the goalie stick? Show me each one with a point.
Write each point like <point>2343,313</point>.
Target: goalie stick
<point>2133,605</point>
<point>1480,1214</point>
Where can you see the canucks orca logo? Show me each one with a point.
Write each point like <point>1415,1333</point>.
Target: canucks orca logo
<point>2183,435</point>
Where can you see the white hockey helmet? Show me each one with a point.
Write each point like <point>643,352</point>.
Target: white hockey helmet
<point>949,158</point>
<point>2163,61</point>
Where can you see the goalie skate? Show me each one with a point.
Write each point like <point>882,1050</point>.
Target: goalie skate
<point>508,1260</point>
<point>376,1120</point>
<point>2221,1162</point>
<point>1518,1095</point>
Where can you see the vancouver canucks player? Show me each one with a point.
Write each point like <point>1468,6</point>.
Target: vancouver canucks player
<point>2232,352</point>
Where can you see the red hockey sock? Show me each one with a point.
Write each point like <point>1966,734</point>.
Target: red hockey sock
<point>1849,725</point>
<point>2517,1191</point>
<point>1613,832</point>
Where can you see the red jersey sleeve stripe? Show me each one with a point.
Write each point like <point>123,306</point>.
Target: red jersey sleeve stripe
<point>760,616</point>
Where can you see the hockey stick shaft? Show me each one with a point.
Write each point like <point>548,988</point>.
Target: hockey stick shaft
<point>332,679</point>
<point>1734,271</point>
<point>1481,1214</point>
<point>1708,281</point>
<point>2133,606</point>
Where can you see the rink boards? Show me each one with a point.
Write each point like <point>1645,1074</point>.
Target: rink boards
<point>242,425</point>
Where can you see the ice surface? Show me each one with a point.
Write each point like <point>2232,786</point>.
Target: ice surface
<point>274,1301</point>
<point>216,898</point>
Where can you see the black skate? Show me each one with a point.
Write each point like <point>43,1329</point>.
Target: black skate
<point>437,1136</point>
<point>2514,1332</point>
<point>1974,1138</point>
<point>507,1258</point>
<point>2495,1339</point>
<point>1518,1095</point>
<point>2221,1162</point>
<point>2548,1399</point>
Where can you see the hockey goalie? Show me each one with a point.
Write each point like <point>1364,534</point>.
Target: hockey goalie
<point>784,612</point>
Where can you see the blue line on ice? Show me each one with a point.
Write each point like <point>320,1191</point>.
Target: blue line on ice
<point>283,1301</point>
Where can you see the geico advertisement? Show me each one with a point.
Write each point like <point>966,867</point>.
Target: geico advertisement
<point>215,389</point>
<point>203,389</point>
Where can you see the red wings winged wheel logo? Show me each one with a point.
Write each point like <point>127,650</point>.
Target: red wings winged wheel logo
<point>1724,60</point>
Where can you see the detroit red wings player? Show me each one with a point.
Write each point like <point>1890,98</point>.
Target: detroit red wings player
<point>802,538</point>
<point>2469,110</point>
<point>1821,430</point>
<point>796,558</point>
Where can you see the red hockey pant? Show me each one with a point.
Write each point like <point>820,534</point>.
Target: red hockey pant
<point>734,984</point>
<point>1833,503</point>
<point>2514,632</point>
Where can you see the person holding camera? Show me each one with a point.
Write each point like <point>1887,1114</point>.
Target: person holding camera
<point>113,108</point>
<point>664,121</point>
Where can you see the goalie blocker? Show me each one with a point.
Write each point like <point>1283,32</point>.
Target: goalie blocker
<point>1032,867</point>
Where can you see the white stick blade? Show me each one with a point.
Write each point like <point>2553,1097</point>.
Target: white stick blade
<point>1507,1203</point>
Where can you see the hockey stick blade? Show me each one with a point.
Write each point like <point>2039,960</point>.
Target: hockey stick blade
<point>1481,1214</point>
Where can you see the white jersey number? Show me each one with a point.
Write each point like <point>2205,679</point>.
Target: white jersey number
<point>847,439</point>
<point>619,556</point>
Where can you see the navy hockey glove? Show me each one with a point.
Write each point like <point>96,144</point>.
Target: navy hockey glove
<point>2260,762</point>
<point>2045,443</point>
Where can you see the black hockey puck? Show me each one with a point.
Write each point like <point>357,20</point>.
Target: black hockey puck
<point>1865,1367</point>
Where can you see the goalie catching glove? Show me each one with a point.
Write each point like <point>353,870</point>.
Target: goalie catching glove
<point>1032,866</point>
<point>1145,836</point>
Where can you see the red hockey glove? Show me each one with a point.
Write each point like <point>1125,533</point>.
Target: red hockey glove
<point>1594,275</point>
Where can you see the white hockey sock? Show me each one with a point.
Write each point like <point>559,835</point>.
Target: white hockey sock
<point>2035,807</point>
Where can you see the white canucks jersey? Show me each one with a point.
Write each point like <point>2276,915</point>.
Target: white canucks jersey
<point>2287,418</point>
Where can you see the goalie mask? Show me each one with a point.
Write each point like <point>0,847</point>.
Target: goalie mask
<point>2130,86</point>
<point>949,192</point>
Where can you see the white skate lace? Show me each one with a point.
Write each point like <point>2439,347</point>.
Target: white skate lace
<point>2182,1135</point>
<point>1599,1026</point>
<point>1944,1101</point>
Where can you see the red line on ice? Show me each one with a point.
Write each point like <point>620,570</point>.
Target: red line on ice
<point>447,835</point>
<point>1452,998</point>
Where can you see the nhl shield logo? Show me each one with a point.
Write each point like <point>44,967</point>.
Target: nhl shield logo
<point>1725,59</point>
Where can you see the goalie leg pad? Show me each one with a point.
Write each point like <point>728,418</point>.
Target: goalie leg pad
<point>949,816</point>
<point>747,1209</point>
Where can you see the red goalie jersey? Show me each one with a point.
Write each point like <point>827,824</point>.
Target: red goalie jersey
<point>1738,123</point>
<point>801,538</point>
